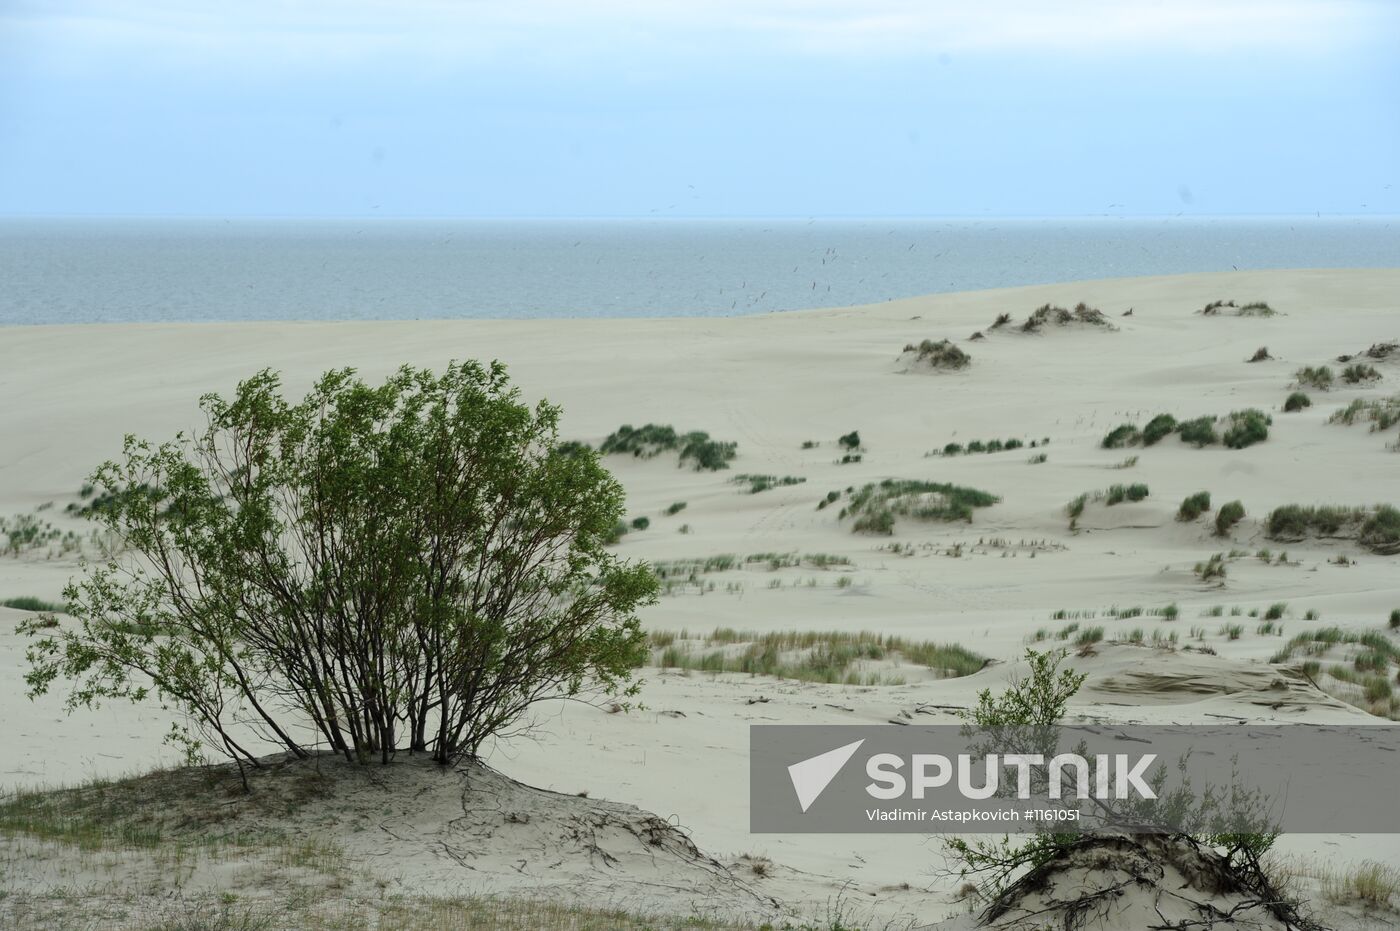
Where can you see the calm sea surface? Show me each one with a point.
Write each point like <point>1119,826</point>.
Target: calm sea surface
<point>82,271</point>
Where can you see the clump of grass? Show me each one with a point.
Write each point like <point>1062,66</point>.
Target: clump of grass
<point>1038,458</point>
<point>982,446</point>
<point>1356,373</point>
<point>1119,493</point>
<point>1232,631</point>
<point>30,603</point>
<point>1212,568</point>
<point>1199,431</point>
<point>1247,427</point>
<point>1230,308</point>
<point>675,508</point>
<point>1050,315</point>
<point>875,507</point>
<point>1377,529</point>
<point>1227,517</point>
<point>1158,428</point>
<point>1075,508</point>
<point>761,483</point>
<point>1128,463</point>
<point>1122,435</point>
<point>940,355</point>
<point>1382,414</point>
<point>641,523</point>
<point>829,657</point>
<point>1296,401</point>
<point>1275,611</point>
<point>1257,309</point>
<point>695,448</point>
<point>1193,506</point>
<point>1370,884</point>
<point>1319,377</point>
<point>1088,636</point>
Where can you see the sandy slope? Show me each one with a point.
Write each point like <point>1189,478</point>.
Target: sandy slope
<point>770,383</point>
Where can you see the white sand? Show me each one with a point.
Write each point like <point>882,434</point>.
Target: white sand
<point>770,383</point>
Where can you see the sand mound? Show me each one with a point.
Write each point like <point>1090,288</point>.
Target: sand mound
<point>1132,883</point>
<point>413,829</point>
<point>1143,676</point>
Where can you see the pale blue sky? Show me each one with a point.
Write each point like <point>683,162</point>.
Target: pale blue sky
<point>719,108</point>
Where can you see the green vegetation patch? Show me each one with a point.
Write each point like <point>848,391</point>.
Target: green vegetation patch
<point>862,658</point>
<point>875,507</point>
<point>938,355</point>
<point>695,448</point>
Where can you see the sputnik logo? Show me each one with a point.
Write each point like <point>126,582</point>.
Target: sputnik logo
<point>811,776</point>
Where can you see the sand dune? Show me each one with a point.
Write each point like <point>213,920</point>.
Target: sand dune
<point>785,388</point>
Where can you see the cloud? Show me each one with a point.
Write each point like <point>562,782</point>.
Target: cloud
<point>329,34</point>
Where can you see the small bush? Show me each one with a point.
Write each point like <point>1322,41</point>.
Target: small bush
<point>1227,517</point>
<point>1395,619</point>
<point>641,523</point>
<point>1193,506</point>
<point>1319,377</point>
<point>675,509</point>
<point>1123,435</point>
<point>1246,428</point>
<point>1297,401</point>
<point>1157,428</point>
<point>952,449</point>
<point>1200,431</point>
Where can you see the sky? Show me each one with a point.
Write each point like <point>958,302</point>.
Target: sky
<point>710,108</point>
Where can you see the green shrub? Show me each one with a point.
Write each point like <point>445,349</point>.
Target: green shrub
<point>1193,506</point>
<point>1075,508</point>
<point>1246,428</point>
<point>1275,611</point>
<point>952,449</point>
<point>641,523</point>
<point>977,446</point>
<point>675,509</point>
<point>1297,401</point>
<point>1157,428</point>
<point>1122,435</point>
<point>452,600</point>
<point>1395,619</point>
<point>1227,517</point>
<point>851,441</point>
<point>1199,431</point>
